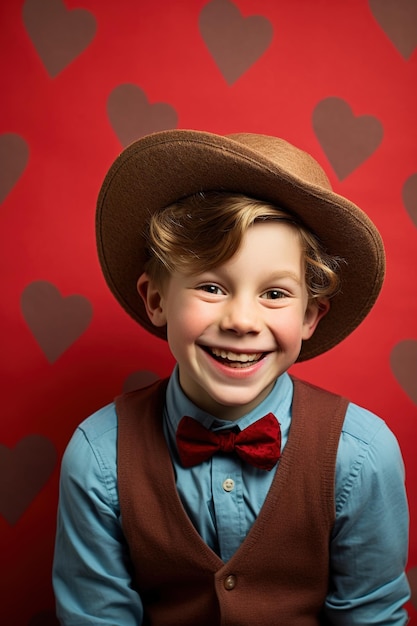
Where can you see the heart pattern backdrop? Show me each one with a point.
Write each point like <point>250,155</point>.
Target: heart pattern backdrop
<point>23,473</point>
<point>58,35</point>
<point>346,139</point>
<point>84,78</point>
<point>235,42</point>
<point>55,322</point>
<point>14,156</point>
<point>132,115</point>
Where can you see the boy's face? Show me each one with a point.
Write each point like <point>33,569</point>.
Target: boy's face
<point>235,329</point>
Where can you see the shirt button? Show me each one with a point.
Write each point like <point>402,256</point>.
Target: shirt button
<point>229,484</point>
<point>230,582</point>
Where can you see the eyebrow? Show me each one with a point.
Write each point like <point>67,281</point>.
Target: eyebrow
<point>270,278</point>
<point>285,274</point>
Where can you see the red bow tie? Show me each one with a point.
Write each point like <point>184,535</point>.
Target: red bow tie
<point>259,444</point>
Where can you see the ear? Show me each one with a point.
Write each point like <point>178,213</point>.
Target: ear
<point>153,300</point>
<point>316,310</point>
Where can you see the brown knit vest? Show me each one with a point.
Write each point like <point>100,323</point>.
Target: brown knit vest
<point>279,575</point>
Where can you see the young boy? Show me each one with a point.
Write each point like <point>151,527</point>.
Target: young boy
<point>233,493</point>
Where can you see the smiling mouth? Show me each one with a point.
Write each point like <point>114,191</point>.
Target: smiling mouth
<point>235,359</point>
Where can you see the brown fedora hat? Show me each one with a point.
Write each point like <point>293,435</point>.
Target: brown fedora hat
<point>161,168</point>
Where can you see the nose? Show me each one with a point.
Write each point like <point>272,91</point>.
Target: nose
<point>241,316</point>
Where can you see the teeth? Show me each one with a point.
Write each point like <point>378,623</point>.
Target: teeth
<point>241,357</point>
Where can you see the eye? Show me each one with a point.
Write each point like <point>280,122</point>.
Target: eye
<point>274,294</point>
<point>213,289</point>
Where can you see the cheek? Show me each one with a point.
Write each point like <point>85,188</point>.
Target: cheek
<point>185,323</point>
<point>288,326</point>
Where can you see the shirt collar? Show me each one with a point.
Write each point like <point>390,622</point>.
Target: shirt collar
<point>277,402</point>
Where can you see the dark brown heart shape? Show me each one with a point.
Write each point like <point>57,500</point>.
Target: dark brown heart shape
<point>235,42</point>
<point>24,471</point>
<point>132,116</point>
<point>55,321</point>
<point>404,366</point>
<point>347,140</point>
<point>139,380</point>
<point>58,34</point>
<point>14,155</point>
<point>410,197</point>
<point>398,20</point>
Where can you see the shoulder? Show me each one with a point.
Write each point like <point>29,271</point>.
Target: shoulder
<point>99,431</point>
<point>88,477</point>
<point>91,450</point>
<point>364,429</point>
<point>368,456</point>
<point>101,425</point>
<point>360,426</point>
<point>368,451</point>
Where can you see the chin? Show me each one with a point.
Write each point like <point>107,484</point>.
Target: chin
<point>238,403</point>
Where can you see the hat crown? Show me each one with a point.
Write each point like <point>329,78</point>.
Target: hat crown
<point>285,156</point>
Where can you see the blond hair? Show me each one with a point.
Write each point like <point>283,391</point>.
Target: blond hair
<point>202,231</point>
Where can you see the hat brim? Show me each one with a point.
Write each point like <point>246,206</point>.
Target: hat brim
<point>159,169</point>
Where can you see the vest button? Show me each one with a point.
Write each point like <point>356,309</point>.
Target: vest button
<point>230,582</point>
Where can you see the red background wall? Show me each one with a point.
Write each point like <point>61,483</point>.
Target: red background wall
<point>83,78</point>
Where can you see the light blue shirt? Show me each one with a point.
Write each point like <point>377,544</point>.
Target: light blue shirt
<point>92,573</point>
